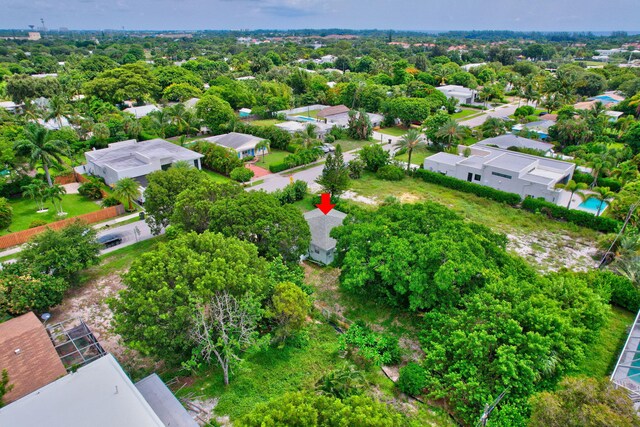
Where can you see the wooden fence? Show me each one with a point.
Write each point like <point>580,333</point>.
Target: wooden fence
<point>23,236</point>
<point>69,178</point>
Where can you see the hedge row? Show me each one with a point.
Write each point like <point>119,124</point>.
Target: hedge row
<point>622,291</point>
<point>468,187</point>
<point>278,167</point>
<point>612,183</point>
<point>577,217</point>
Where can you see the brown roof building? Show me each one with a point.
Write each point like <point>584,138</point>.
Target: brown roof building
<point>28,355</point>
<point>332,111</point>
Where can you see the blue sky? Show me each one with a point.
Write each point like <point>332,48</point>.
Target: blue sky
<point>526,15</point>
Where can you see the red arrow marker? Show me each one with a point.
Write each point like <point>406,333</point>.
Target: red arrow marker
<point>325,203</point>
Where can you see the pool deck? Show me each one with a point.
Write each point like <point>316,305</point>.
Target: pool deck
<point>576,201</point>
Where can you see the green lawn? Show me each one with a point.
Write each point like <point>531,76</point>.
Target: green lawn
<point>601,357</point>
<point>393,131</point>
<point>417,157</point>
<point>216,177</point>
<point>305,205</point>
<point>465,114</point>
<point>24,211</point>
<point>266,122</point>
<point>310,113</point>
<point>496,215</point>
<point>270,373</point>
<point>350,144</point>
<point>274,156</point>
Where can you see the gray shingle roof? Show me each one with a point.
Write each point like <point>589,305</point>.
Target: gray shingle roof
<point>321,225</point>
<point>234,140</point>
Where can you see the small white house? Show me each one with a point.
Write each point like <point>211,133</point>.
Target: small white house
<point>323,247</point>
<point>142,111</point>
<point>462,94</point>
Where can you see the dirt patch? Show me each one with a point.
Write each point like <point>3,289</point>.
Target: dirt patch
<point>89,304</point>
<point>409,198</point>
<point>350,195</point>
<point>549,252</point>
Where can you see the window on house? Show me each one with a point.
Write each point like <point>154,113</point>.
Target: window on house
<point>477,177</point>
<point>501,175</point>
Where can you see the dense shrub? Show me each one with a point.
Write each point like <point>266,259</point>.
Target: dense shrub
<point>412,379</point>
<point>109,201</point>
<point>6,213</point>
<point>13,186</point>
<point>90,190</point>
<point>292,148</point>
<point>468,187</point>
<point>373,156</point>
<point>585,178</point>
<point>373,347</point>
<point>584,219</point>
<point>22,290</point>
<point>622,290</point>
<point>37,223</point>
<point>291,193</point>
<point>278,167</point>
<point>278,138</point>
<point>390,173</point>
<point>356,167</point>
<point>217,158</point>
<point>241,174</point>
<point>300,158</point>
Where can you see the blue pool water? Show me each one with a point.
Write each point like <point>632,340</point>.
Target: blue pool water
<point>306,119</point>
<point>592,205</point>
<point>605,98</point>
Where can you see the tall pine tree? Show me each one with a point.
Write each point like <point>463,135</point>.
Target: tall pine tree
<point>335,175</point>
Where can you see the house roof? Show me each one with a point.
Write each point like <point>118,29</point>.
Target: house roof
<point>130,154</point>
<point>164,403</point>
<point>142,110</point>
<point>235,140</point>
<point>99,394</point>
<point>510,140</point>
<point>332,111</point>
<point>191,102</point>
<point>28,355</point>
<point>455,90</point>
<point>321,225</point>
<point>549,116</point>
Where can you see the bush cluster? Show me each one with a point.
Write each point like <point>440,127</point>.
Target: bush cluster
<point>217,158</point>
<point>390,173</point>
<point>373,347</point>
<point>300,158</point>
<point>91,190</point>
<point>291,193</point>
<point>584,219</point>
<point>412,380</point>
<point>468,187</point>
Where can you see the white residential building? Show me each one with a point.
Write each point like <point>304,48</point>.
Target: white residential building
<point>131,159</point>
<point>462,94</point>
<point>505,170</point>
<point>141,111</point>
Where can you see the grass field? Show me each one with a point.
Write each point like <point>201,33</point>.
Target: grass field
<point>266,122</point>
<point>601,357</point>
<point>350,144</point>
<point>24,211</point>
<point>496,215</point>
<point>417,157</point>
<point>274,156</point>
<point>465,114</point>
<point>216,177</point>
<point>393,131</point>
<point>310,113</point>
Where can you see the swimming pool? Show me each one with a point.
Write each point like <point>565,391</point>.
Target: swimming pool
<point>606,99</point>
<point>306,118</point>
<point>592,205</point>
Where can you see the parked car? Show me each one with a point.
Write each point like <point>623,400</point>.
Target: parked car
<point>327,148</point>
<point>109,240</point>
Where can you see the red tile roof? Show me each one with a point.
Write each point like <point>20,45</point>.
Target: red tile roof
<point>28,355</point>
<point>332,111</point>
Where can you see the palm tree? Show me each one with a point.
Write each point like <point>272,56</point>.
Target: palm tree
<point>599,163</point>
<point>59,108</point>
<point>450,131</point>
<point>626,172</point>
<point>410,141</point>
<point>601,194</point>
<point>574,188</point>
<point>30,111</point>
<point>36,191</point>
<point>180,116</point>
<point>55,193</point>
<point>39,146</point>
<point>309,135</point>
<point>127,189</point>
<point>160,121</point>
<point>263,146</point>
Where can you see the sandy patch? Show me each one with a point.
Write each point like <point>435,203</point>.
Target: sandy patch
<point>549,252</point>
<point>89,304</point>
<point>350,195</point>
<point>72,188</point>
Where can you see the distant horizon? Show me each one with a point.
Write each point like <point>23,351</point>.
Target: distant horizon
<point>221,15</point>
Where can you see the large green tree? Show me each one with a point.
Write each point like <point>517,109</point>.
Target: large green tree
<point>335,174</point>
<point>164,287</point>
<point>214,112</point>
<point>258,217</point>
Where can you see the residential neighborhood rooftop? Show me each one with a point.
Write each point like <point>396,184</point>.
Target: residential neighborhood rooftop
<point>28,355</point>
<point>510,140</point>
<point>234,140</point>
<point>321,225</point>
<point>332,111</point>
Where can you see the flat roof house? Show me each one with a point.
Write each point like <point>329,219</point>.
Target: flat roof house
<point>141,111</point>
<point>241,143</point>
<point>509,140</point>
<point>462,94</point>
<point>293,127</point>
<point>28,355</point>
<point>99,395</point>
<point>505,170</point>
<point>131,159</point>
<point>322,247</point>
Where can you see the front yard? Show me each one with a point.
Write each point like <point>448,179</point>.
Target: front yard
<point>393,131</point>
<point>417,157</point>
<point>24,211</point>
<point>266,122</point>
<point>274,156</point>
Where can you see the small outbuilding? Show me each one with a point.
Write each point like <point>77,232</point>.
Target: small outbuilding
<point>322,247</point>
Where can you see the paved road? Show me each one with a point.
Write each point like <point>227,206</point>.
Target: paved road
<point>278,181</point>
<point>501,111</point>
<point>130,234</point>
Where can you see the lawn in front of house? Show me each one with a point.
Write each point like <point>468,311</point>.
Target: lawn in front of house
<point>274,156</point>
<point>350,144</point>
<point>465,114</point>
<point>417,157</point>
<point>266,122</point>
<point>24,211</point>
<point>216,177</point>
<point>393,131</point>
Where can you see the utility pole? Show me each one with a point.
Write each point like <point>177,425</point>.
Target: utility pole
<point>489,408</point>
